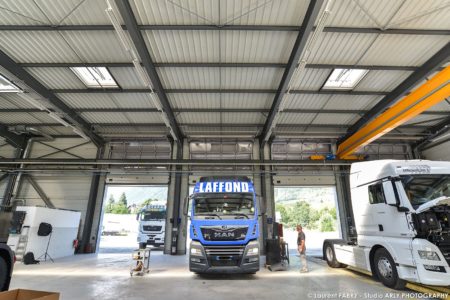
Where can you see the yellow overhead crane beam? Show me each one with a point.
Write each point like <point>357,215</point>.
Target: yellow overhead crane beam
<point>422,98</point>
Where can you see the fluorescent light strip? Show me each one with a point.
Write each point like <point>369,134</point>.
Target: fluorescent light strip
<point>6,86</point>
<point>33,102</point>
<point>137,64</point>
<point>57,118</point>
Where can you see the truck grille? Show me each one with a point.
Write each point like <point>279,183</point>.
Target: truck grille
<point>151,228</point>
<point>445,249</point>
<point>219,233</point>
<point>224,250</point>
<point>224,256</point>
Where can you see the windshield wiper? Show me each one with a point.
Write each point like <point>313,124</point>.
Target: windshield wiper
<point>240,214</point>
<point>210,214</point>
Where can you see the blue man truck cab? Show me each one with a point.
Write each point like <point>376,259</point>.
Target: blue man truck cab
<point>224,226</point>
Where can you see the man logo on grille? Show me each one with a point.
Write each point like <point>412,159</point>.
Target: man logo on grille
<point>228,234</point>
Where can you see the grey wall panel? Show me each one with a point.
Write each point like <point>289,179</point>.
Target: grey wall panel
<point>440,152</point>
<point>85,150</point>
<point>138,179</point>
<point>304,180</point>
<point>7,151</point>
<point>67,192</point>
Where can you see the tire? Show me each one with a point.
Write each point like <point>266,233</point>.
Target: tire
<point>142,245</point>
<point>4,276</point>
<point>330,256</point>
<point>386,270</point>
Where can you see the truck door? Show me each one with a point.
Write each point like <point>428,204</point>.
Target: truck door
<point>389,222</point>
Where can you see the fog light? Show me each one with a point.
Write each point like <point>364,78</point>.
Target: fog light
<point>434,268</point>
<point>197,260</point>
<point>253,259</point>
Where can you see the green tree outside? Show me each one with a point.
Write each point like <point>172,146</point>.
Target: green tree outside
<point>119,207</point>
<point>323,219</point>
<point>110,205</point>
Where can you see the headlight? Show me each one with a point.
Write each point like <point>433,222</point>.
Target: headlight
<point>253,251</point>
<point>429,255</point>
<point>196,252</point>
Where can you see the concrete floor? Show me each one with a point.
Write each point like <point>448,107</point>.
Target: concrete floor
<point>106,276</point>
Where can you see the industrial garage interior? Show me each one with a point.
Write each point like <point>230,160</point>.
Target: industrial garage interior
<point>280,109</point>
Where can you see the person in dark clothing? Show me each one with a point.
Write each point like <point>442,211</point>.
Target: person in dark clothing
<point>302,248</point>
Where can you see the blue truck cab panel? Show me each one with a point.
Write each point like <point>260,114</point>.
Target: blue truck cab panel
<point>224,226</point>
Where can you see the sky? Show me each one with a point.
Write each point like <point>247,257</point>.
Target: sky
<point>137,194</point>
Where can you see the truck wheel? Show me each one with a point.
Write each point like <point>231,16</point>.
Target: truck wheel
<point>3,274</point>
<point>330,256</point>
<point>142,245</point>
<point>386,270</point>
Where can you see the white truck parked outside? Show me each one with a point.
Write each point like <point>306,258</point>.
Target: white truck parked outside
<point>402,219</point>
<point>152,224</point>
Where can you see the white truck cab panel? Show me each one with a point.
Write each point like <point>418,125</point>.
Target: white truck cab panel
<point>401,215</point>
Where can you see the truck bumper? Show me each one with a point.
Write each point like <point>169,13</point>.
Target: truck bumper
<point>430,272</point>
<point>205,261</point>
<point>151,239</point>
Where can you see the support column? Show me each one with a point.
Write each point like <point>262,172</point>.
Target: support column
<point>174,240</point>
<point>184,193</point>
<point>267,194</point>
<point>344,205</point>
<point>90,233</point>
<point>14,180</point>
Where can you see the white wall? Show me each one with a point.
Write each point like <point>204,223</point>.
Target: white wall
<point>65,228</point>
<point>440,152</point>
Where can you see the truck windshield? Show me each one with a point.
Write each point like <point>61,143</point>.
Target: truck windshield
<point>423,188</point>
<point>153,215</point>
<point>221,204</point>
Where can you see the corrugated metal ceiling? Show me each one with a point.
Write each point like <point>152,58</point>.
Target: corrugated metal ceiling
<point>258,101</point>
<point>223,46</point>
<point>220,47</point>
<point>223,78</point>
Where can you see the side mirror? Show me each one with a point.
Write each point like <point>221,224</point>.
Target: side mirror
<point>389,193</point>
<point>137,216</point>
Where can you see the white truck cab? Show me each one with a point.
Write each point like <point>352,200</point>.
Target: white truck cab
<point>152,224</point>
<point>401,213</point>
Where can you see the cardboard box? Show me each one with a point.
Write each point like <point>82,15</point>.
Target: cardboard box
<point>21,294</point>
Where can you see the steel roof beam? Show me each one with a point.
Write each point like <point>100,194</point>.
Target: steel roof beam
<point>179,162</point>
<point>219,65</point>
<point>300,43</point>
<point>126,12</point>
<point>421,74</point>
<point>215,110</point>
<point>218,91</point>
<point>206,125</point>
<point>435,136</point>
<point>11,66</point>
<point>362,30</point>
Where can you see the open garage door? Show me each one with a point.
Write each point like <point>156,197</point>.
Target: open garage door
<point>305,195</point>
<point>313,207</point>
<point>132,215</point>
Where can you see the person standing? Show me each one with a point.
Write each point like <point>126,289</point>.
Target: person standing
<point>302,248</point>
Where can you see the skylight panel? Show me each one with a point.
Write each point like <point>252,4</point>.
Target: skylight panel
<point>7,86</point>
<point>95,77</point>
<point>344,79</point>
